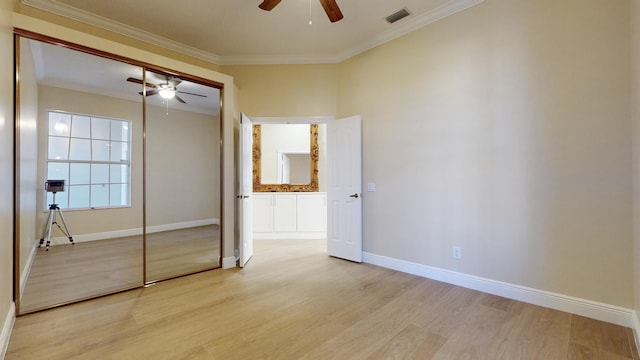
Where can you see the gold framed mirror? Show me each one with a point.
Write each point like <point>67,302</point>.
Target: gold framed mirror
<point>311,186</point>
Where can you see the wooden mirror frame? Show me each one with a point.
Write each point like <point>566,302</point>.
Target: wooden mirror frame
<point>312,186</point>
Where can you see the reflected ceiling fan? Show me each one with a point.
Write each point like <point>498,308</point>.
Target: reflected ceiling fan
<point>167,90</point>
<point>330,7</point>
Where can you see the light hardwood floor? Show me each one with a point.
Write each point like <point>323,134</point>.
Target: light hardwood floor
<point>69,272</point>
<point>292,301</point>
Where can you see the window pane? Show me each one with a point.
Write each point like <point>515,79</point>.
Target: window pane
<point>119,195</point>
<point>80,149</point>
<point>100,128</point>
<point>100,150</point>
<point>119,130</point>
<point>99,195</point>
<point>79,174</point>
<point>119,151</point>
<point>79,196</point>
<point>58,148</point>
<point>58,171</point>
<point>119,174</point>
<point>99,173</point>
<point>80,127</point>
<point>62,199</point>
<point>59,124</point>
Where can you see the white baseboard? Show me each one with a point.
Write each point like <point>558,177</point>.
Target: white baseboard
<point>228,262</point>
<point>5,335</point>
<point>61,240</point>
<point>289,235</point>
<point>26,270</point>
<point>592,309</point>
<point>636,329</point>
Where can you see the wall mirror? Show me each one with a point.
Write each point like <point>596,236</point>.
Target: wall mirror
<point>182,177</point>
<point>77,120</point>
<point>285,158</point>
<point>142,170</point>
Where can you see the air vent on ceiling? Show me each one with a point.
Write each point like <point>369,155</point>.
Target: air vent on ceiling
<point>398,15</point>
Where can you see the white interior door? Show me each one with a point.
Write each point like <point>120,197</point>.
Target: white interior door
<point>245,202</point>
<point>344,188</point>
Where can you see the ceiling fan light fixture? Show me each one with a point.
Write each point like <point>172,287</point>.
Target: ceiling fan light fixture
<point>167,92</point>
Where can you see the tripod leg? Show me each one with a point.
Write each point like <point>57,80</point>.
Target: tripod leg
<point>66,229</point>
<point>52,220</point>
<point>45,228</point>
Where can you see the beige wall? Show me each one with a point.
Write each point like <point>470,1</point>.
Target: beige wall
<point>635,108</point>
<point>183,166</point>
<point>6,166</point>
<point>505,130</point>
<point>285,90</point>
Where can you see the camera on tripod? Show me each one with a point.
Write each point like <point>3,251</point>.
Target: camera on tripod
<point>54,186</point>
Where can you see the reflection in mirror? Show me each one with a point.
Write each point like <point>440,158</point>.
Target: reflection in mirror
<point>285,157</point>
<point>182,177</point>
<point>78,120</point>
<point>285,150</point>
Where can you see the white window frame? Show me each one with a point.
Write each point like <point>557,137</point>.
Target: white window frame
<point>92,186</point>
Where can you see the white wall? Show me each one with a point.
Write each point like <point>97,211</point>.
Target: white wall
<point>505,130</point>
<point>6,174</point>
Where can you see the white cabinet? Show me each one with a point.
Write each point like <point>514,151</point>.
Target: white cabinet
<point>312,212</point>
<point>284,213</point>
<point>290,215</point>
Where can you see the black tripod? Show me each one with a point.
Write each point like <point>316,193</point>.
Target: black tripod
<point>54,210</point>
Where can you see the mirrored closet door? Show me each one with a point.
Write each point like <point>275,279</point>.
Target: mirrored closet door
<point>182,176</point>
<point>79,204</point>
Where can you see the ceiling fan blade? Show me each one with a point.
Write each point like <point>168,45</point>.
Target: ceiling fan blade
<point>332,9</point>
<point>174,81</point>
<point>138,81</point>
<point>268,4</point>
<point>188,93</point>
<point>179,99</point>
<point>150,92</point>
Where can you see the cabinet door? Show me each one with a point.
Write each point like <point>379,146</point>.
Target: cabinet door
<point>284,213</point>
<point>312,213</point>
<point>262,213</point>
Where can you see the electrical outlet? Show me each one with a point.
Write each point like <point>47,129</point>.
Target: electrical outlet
<point>457,252</point>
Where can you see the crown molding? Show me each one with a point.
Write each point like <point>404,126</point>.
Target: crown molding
<point>64,10</point>
<point>399,29</point>
<point>410,24</point>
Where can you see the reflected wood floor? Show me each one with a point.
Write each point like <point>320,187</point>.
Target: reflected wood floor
<point>70,272</point>
<point>292,301</point>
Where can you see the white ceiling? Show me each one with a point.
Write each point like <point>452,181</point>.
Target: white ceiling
<point>238,32</point>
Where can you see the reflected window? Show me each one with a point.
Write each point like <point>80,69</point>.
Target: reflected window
<point>92,154</point>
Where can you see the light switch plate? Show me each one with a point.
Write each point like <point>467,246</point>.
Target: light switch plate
<point>371,187</point>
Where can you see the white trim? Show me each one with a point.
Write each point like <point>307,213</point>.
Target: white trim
<point>27,268</point>
<point>61,240</point>
<point>402,28</point>
<point>636,329</point>
<point>5,335</point>
<point>592,309</point>
<point>228,262</point>
<point>289,235</point>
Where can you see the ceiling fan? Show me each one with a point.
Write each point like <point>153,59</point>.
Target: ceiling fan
<point>330,7</point>
<point>167,90</point>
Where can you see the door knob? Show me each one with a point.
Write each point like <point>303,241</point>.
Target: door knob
<point>354,195</point>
